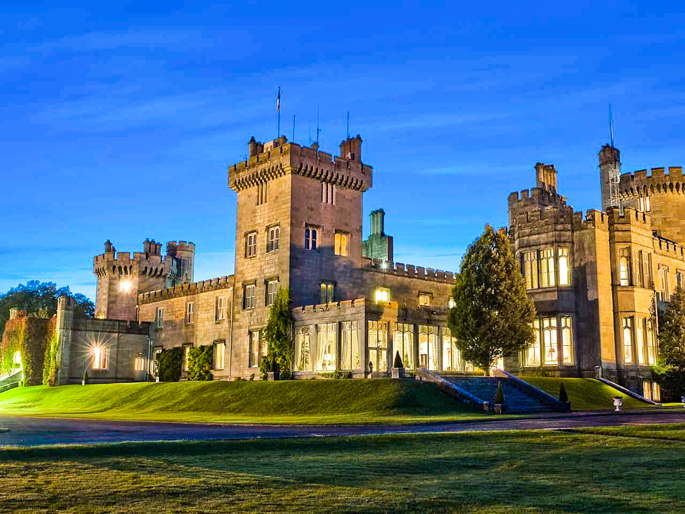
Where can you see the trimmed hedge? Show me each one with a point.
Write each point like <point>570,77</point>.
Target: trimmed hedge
<point>170,364</point>
<point>200,363</point>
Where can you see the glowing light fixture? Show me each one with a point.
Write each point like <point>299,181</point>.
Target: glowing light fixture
<point>125,286</point>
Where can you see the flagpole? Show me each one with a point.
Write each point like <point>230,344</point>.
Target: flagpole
<point>278,108</point>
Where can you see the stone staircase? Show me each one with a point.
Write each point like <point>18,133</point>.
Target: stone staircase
<point>516,401</point>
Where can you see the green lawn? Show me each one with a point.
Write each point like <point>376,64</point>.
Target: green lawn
<point>494,472</point>
<point>585,393</point>
<point>305,401</point>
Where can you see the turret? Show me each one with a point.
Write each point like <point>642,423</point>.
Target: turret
<point>184,255</point>
<point>610,173</point>
<point>351,149</point>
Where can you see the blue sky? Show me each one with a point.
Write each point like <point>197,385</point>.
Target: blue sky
<point>120,121</point>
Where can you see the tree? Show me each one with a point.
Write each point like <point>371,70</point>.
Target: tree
<point>492,313</point>
<point>39,299</point>
<point>277,335</point>
<point>672,332</point>
<point>200,361</point>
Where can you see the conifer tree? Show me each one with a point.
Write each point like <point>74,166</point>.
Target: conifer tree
<point>492,314</point>
<point>672,332</point>
<point>277,335</point>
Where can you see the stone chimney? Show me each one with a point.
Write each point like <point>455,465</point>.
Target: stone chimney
<point>546,177</point>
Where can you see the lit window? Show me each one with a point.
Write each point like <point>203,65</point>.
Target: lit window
<point>651,343</point>
<point>656,392</point>
<point>382,295</point>
<point>566,340</point>
<point>326,347</point>
<point>124,286</point>
<point>251,244</point>
<point>160,317</point>
<point>327,193</point>
<point>310,238</point>
<point>627,340</point>
<point>100,356</point>
<point>624,267</point>
<point>221,302</point>
<point>564,268</point>
<point>271,290</point>
<point>425,299</point>
<point>262,193</point>
<point>404,343</point>
<point>186,357</point>
<point>451,303</point>
<point>663,284</point>
<point>547,274</point>
<point>648,204</point>
<point>640,339</point>
<point>549,340</point>
<point>647,389</point>
<point>349,345</point>
<point>303,350</point>
<point>451,356</point>
<point>190,312</point>
<point>139,364</point>
<point>428,347</point>
<point>327,292</point>
<point>255,346</point>
<point>219,354</point>
<point>647,269</point>
<point>377,340</point>
<point>532,355</point>
<point>272,239</point>
<point>342,244</point>
<point>248,296</point>
<point>679,278</point>
<point>530,269</point>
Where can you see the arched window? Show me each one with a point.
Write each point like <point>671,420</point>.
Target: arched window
<point>564,268</point>
<point>624,267</point>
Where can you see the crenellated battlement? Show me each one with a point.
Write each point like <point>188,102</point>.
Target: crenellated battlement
<point>203,286</point>
<point>593,219</point>
<point>629,216</point>
<point>181,246</point>
<point>535,197</point>
<point>666,247</point>
<point>407,270</point>
<point>279,158</point>
<point>358,302</point>
<point>657,181</point>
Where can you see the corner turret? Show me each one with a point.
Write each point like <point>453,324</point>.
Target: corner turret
<point>610,173</point>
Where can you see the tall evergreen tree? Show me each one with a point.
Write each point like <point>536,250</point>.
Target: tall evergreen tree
<point>672,332</point>
<point>277,334</point>
<point>492,313</point>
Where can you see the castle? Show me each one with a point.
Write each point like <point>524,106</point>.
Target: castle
<point>597,278</point>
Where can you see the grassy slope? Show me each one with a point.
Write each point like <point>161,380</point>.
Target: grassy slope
<point>311,401</point>
<point>585,393</point>
<point>494,472</point>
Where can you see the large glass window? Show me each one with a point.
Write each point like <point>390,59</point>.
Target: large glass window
<point>640,340</point>
<point>567,340</point>
<point>349,345</point>
<point>342,244</point>
<point>428,347</point>
<point>220,355</point>
<point>627,340</point>
<point>651,343</point>
<point>547,271</point>
<point>310,238</point>
<point>550,341</point>
<point>530,269</point>
<point>274,234</point>
<point>100,357</point>
<point>303,350</point>
<point>451,358</point>
<point>564,268</point>
<point>404,343</point>
<point>624,267</point>
<point>663,284</point>
<point>377,338</point>
<point>532,354</point>
<point>251,244</point>
<point>326,347</point>
<point>271,290</point>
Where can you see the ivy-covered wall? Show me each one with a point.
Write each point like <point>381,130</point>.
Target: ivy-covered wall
<point>29,336</point>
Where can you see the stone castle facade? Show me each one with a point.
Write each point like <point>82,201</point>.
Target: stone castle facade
<point>596,278</point>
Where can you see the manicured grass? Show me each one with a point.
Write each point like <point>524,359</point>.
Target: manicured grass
<point>585,393</point>
<point>672,431</point>
<point>310,401</point>
<point>492,472</point>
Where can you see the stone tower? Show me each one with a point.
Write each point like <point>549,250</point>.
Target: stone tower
<point>299,225</point>
<point>184,255</point>
<point>609,173</point>
<point>122,277</point>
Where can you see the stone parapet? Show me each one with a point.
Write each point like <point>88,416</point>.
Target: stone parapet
<point>656,182</point>
<point>213,284</point>
<point>408,270</point>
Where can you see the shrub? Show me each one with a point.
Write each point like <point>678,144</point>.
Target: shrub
<point>277,335</point>
<point>200,362</point>
<point>671,382</point>
<point>170,364</point>
<point>499,395</point>
<point>84,379</point>
<point>563,397</point>
<point>52,356</point>
<point>398,361</point>
<point>29,337</point>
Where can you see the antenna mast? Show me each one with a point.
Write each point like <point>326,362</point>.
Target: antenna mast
<point>278,108</point>
<point>348,124</point>
<point>318,130</point>
<point>614,171</point>
<point>293,128</point>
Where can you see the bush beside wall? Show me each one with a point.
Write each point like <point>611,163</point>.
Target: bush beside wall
<point>30,337</point>
<point>200,363</point>
<point>170,364</point>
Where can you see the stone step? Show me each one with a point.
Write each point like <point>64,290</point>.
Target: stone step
<point>485,388</point>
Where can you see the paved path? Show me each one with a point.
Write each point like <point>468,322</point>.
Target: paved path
<point>26,431</point>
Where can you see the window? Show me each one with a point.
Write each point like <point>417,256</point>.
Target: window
<point>451,303</point>
<point>273,235</point>
<point>647,389</point>
<point>303,350</point>
<point>382,295</point>
<point>248,296</point>
<point>251,244</point>
<point>326,346</point>
<point>160,317</point>
<point>624,267</point>
<point>327,292</point>
<point>377,339</point>
<point>425,299</point>
<point>530,269</point>
<point>566,340</point>
<point>271,290</point>
<point>342,244</point>
<point>547,275</point>
<point>638,268</point>
<point>627,340</point>
<point>647,269</point>
<point>404,343</point>
<point>255,347</point>
<point>451,357</point>
<point>186,357</point>
<point>327,193</point>
<point>663,284</point>
<point>679,278</point>
<point>656,392</point>
<point>549,340</point>
<point>428,347</point>
<point>100,357</point>
<point>310,238</point>
<point>642,204</point>
<point>219,354</point>
<point>651,343</point>
<point>262,193</point>
<point>648,204</point>
<point>640,339</point>
<point>221,303</point>
<point>564,268</point>
<point>139,364</point>
<point>532,353</point>
<point>190,312</point>
<point>349,345</point>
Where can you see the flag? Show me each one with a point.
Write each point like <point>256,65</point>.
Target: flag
<point>278,100</point>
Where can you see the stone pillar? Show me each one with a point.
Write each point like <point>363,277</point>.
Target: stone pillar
<point>63,329</point>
